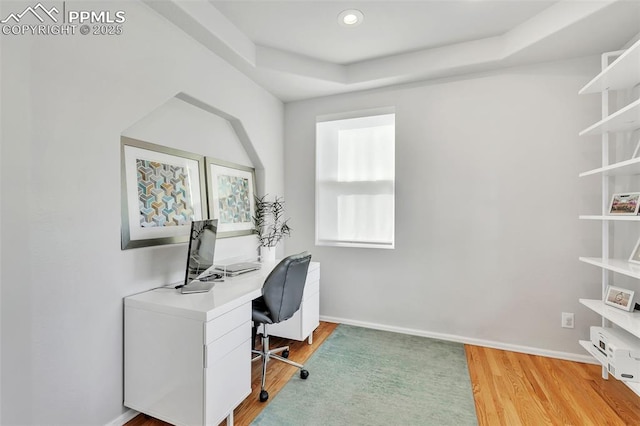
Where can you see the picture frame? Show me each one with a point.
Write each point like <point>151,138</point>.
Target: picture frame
<point>620,298</point>
<point>231,196</point>
<point>162,192</point>
<point>635,254</point>
<point>625,204</point>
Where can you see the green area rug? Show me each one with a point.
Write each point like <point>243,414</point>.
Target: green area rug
<point>361,376</point>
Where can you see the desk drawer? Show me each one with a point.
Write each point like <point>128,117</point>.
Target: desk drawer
<point>219,348</point>
<point>223,324</point>
<point>227,382</point>
<point>313,275</point>
<point>312,284</point>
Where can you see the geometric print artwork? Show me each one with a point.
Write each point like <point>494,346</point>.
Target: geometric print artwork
<point>163,194</point>
<point>233,199</point>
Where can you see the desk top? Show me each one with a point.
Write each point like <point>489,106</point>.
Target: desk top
<point>222,298</point>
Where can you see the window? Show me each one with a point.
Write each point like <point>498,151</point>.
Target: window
<point>355,180</point>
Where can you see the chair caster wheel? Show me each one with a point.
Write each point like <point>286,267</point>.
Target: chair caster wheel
<point>264,395</point>
<point>304,374</point>
<point>285,353</point>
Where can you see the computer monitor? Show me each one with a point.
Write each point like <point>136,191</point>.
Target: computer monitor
<point>202,244</point>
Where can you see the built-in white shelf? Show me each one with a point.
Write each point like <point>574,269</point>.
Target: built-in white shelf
<point>627,118</point>
<point>609,217</point>
<point>623,168</point>
<point>621,266</point>
<point>623,73</point>
<point>593,351</point>
<point>629,321</point>
<point>588,346</point>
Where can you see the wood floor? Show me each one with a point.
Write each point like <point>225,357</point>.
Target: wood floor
<point>509,389</point>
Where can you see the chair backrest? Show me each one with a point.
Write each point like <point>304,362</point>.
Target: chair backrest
<point>283,288</point>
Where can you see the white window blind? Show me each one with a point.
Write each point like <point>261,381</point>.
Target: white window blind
<point>355,181</point>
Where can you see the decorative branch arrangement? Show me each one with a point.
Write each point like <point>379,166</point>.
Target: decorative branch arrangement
<point>268,221</point>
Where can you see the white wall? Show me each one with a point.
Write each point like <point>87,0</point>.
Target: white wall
<point>487,205</point>
<point>65,102</point>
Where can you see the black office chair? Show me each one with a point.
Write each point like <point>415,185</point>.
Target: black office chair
<point>281,298</point>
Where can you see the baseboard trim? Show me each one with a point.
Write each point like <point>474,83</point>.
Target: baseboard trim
<point>467,340</point>
<point>123,418</point>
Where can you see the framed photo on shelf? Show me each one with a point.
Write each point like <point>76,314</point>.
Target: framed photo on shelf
<point>231,196</point>
<point>163,191</point>
<point>625,204</point>
<point>620,298</point>
<point>635,254</point>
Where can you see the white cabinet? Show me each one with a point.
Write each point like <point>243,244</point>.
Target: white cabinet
<point>170,360</point>
<point>302,324</point>
<point>618,130</point>
<point>187,357</point>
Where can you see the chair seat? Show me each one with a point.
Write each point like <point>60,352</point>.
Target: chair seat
<point>260,312</point>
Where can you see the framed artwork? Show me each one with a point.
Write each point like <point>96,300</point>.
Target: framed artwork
<point>625,204</point>
<point>619,297</point>
<point>230,192</point>
<point>163,191</point>
<point>635,254</point>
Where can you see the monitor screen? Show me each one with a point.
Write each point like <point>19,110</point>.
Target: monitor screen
<point>202,244</point>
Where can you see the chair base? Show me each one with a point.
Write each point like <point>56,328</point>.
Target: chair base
<point>266,355</point>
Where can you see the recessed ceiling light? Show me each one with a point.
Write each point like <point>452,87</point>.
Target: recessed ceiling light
<point>350,18</point>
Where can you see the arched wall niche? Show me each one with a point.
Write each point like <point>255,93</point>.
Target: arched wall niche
<point>186,123</point>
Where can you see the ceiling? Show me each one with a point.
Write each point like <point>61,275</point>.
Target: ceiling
<point>310,28</point>
<point>296,49</point>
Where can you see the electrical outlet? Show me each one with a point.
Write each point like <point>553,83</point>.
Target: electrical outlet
<point>567,320</point>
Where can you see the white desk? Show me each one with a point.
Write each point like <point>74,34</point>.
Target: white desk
<point>187,357</point>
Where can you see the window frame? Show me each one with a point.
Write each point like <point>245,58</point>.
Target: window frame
<point>319,184</point>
